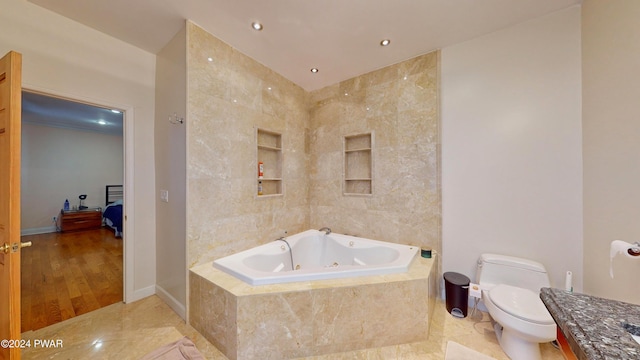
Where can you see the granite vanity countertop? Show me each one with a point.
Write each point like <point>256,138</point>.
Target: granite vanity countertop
<point>595,328</point>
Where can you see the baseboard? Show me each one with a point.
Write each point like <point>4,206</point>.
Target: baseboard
<point>172,302</point>
<point>141,294</point>
<point>40,230</point>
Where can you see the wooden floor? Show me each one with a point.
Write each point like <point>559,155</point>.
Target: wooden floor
<point>68,274</point>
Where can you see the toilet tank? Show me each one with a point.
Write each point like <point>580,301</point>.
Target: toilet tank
<point>494,269</point>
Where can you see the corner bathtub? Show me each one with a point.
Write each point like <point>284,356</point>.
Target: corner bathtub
<point>317,256</point>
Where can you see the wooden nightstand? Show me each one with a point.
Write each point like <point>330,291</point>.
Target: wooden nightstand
<point>74,220</point>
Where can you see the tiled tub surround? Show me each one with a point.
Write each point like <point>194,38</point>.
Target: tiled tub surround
<point>399,106</point>
<point>593,326</point>
<point>230,95</point>
<point>284,321</point>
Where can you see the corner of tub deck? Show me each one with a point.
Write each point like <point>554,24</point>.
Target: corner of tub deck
<point>421,266</point>
<point>203,270</point>
<point>218,277</point>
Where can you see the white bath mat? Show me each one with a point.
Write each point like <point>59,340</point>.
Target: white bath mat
<point>456,351</point>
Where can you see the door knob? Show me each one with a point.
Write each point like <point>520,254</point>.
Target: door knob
<point>6,247</point>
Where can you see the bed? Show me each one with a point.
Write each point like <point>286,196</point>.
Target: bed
<point>112,214</point>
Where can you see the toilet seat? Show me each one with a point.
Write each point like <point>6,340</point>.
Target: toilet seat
<point>521,303</point>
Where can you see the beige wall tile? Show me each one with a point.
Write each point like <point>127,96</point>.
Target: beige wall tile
<point>232,95</point>
<point>399,105</point>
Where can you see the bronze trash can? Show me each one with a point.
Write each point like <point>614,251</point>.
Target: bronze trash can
<point>456,288</point>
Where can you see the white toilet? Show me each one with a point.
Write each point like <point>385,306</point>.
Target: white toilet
<point>511,292</point>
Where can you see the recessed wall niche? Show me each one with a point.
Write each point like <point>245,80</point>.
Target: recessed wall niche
<point>269,160</point>
<point>358,164</point>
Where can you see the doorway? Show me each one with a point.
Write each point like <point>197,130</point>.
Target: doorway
<point>71,151</point>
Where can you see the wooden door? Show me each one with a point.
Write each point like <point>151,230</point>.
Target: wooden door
<point>10,111</point>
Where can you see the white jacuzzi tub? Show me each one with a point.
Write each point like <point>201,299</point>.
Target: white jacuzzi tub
<point>317,256</point>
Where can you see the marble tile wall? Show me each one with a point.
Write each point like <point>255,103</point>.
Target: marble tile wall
<point>230,94</point>
<point>400,105</point>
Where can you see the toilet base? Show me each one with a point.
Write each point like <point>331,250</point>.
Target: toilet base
<point>515,347</point>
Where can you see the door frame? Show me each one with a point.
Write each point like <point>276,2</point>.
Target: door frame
<point>128,198</point>
<point>11,252</point>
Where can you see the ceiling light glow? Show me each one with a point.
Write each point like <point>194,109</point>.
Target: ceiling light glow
<point>385,42</point>
<point>116,111</point>
<point>102,122</point>
<point>314,70</point>
<point>256,26</point>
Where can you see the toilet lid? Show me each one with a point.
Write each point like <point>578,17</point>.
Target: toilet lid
<point>521,303</point>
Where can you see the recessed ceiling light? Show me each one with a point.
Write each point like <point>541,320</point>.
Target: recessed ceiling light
<point>256,26</point>
<point>314,70</point>
<point>209,59</point>
<point>385,42</point>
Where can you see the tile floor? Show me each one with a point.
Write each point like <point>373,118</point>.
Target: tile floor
<point>128,331</point>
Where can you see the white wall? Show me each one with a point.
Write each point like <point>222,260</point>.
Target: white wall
<point>611,107</point>
<point>171,173</point>
<point>66,58</point>
<point>59,164</point>
<point>511,147</point>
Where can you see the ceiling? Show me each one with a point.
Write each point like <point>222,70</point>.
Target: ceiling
<point>51,111</point>
<point>339,37</point>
